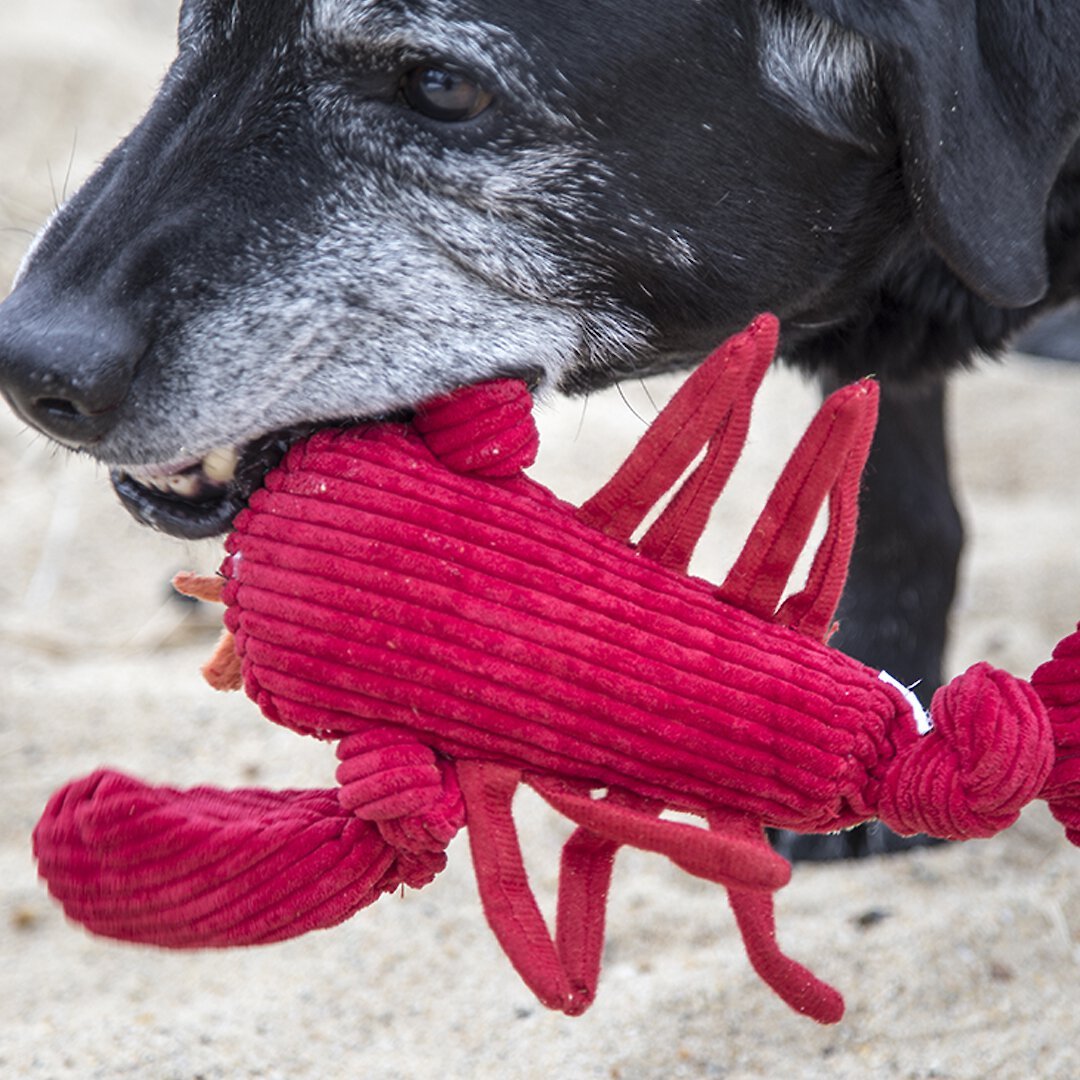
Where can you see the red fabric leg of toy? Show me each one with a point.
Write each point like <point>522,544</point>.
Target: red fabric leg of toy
<point>584,880</point>
<point>730,852</point>
<point>712,407</point>
<point>795,984</point>
<point>724,857</point>
<point>563,971</point>
<point>829,462</point>
<point>507,898</point>
<point>754,911</point>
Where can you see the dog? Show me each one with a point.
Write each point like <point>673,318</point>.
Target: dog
<point>335,209</point>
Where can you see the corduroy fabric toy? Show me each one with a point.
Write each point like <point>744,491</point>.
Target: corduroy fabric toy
<point>407,592</point>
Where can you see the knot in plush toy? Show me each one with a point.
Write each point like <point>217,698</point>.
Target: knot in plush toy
<point>981,767</point>
<point>413,797</point>
<point>405,590</point>
<point>486,430</point>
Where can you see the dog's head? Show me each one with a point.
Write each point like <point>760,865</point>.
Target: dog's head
<point>336,208</point>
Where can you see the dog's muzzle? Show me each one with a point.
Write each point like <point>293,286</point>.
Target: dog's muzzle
<point>199,498</point>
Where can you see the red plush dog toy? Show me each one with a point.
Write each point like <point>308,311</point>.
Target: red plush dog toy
<point>406,591</point>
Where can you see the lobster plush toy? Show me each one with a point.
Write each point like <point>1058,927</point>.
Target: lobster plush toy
<point>406,591</point>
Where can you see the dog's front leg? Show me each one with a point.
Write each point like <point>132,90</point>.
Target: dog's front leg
<point>894,614</point>
<point>895,609</point>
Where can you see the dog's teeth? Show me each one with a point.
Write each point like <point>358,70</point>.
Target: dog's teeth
<point>220,464</point>
<point>186,486</point>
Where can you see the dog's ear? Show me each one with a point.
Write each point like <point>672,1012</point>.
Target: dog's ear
<point>985,100</point>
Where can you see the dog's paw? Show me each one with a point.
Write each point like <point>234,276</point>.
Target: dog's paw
<point>861,842</point>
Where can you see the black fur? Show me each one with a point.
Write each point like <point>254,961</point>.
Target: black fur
<point>285,240</point>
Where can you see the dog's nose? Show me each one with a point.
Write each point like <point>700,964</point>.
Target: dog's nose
<point>66,372</point>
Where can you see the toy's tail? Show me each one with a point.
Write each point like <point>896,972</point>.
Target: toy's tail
<point>997,743</point>
<point>210,868</point>
<point>1057,683</point>
<point>987,756</point>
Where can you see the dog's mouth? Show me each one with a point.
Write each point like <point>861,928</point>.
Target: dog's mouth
<point>196,498</point>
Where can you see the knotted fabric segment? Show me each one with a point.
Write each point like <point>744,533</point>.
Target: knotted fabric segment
<point>413,798</point>
<point>486,430</point>
<point>206,867</point>
<point>987,757</point>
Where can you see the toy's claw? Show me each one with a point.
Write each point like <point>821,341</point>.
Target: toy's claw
<point>204,867</point>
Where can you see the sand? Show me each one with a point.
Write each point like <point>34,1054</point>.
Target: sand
<point>957,962</point>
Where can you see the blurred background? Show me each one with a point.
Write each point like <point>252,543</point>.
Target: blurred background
<point>960,962</point>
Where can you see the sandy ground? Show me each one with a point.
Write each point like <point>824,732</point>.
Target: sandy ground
<point>957,962</point>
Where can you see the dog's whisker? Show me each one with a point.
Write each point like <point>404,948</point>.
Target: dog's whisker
<point>626,402</point>
<point>52,186</point>
<point>648,394</point>
<point>581,417</point>
<point>70,165</point>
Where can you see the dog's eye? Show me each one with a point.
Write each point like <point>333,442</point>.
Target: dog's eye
<point>443,95</point>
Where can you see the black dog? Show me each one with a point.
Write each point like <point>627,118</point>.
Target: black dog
<point>335,208</point>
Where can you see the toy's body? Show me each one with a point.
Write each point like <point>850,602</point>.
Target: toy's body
<point>491,623</point>
<point>498,627</point>
<point>407,591</point>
